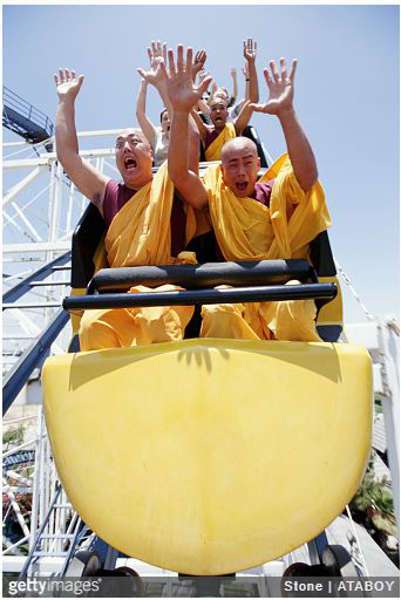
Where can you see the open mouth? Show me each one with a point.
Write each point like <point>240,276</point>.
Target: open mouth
<point>130,163</point>
<point>241,186</point>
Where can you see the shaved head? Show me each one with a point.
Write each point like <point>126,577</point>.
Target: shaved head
<point>236,147</point>
<point>240,164</point>
<point>134,158</point>
<point>136,131</point>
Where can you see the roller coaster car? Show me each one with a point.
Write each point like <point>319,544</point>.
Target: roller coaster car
<point>209,456</point>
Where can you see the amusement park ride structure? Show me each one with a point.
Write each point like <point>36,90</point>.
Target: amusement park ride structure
<point>41,208</point>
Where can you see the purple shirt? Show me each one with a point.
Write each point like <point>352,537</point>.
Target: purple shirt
<point>263,192</point>
<point>211,135</point>
<point>118,194</point>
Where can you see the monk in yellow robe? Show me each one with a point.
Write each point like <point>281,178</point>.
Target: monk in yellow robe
<point>276,217</point>
<point>222,130</point>
<point>146,225</point>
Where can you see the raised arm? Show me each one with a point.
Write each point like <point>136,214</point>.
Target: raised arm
<point>202,128</point>
<point>243,118</point>
<point>250,48</point>
<point>234,93</point>
<point>281,104</point>
<point>157,53</point>
<point>145,124</point>
<point>90,182</point>
<point>183,95</point>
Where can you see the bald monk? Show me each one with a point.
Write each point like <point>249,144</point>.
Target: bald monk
<point>275,217</point>
<point>145,223</point>
<point>214,136</point>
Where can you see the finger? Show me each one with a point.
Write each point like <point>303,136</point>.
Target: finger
<point>61,75</point>
<point>142,73</point>
<point>164,52</point>
<point>56,79</point>
<point>171,63</point>
<point>283,68</point>
<point>255,46</point>
<point>65,74</point>
<point>163,70</point>
<point>293,69</point>
<point>189,59</point>
<point>150,55</point>
<point>257,107</point>
<point>80,81</point>
<point>268,79</point>
<point>180,58</point>
<point>73,75</point>
<point>154,47</point>
<point>274,70</point>
<point>204,85</point>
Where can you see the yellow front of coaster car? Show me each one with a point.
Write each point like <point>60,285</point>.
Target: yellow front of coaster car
<point>209,456</point>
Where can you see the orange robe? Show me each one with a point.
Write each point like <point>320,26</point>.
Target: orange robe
<point>247,230</point>
<point>139,235</point>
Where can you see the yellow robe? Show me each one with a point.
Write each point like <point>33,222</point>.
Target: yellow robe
<point>140,234</point>
<point>213,151</point>
<point>247,230</point>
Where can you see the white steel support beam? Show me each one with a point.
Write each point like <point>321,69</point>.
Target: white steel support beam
<point>17,227</point>
<point>18,187</point>
<point>27,223</point>
<point>46,160</point>
<point>37,247</point>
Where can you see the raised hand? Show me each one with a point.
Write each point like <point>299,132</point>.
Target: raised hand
<point>199,63</point>
<point>157,51</point>
<point>67,83</point>
<point>157,54</point>
<point>250,48</point>
<point>182,92</point>
<point>281,89</point>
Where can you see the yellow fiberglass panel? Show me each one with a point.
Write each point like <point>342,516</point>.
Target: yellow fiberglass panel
<point>210,456</point>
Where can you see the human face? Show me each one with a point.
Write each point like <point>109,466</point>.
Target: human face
<point>165,123</point>
<point>134,158</point>
<point>218,113</point>
<point>240,168</point>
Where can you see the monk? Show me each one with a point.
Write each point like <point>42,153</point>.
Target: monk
<point>145,223</point>
<point>275,217</point>
<point>216,135</point>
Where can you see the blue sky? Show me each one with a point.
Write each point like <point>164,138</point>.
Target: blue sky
<point>346,96</point>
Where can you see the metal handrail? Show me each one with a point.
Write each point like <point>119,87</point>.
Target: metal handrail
<point>15,101</point>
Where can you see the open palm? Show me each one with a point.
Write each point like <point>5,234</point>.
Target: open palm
<point>182,92</point>
<point>67,83</point>
<point>281,89</point>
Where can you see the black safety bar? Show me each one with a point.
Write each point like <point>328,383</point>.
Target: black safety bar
<point>246,273</point>
<point>326,291</point>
